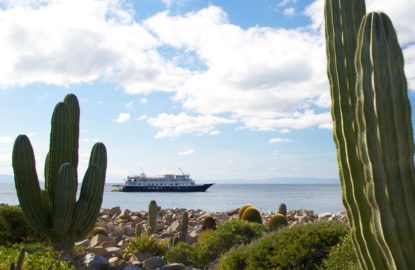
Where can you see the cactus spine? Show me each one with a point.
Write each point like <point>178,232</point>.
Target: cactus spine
<point>183,226</point>
<point>373,133</point>
<point>55,211</point>
<point>152,217</point>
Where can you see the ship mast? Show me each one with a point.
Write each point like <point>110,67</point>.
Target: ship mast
<point>181,171</point>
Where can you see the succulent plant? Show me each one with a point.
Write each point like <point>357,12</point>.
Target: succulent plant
<point>98,230</point>
<point>183,226</point>
<point>252,214</point>
<point>138,230</point>
<point>277,221</point>
<point>242,209</point>
<point>373,133</point>
<point>152,217</point>
<point>282,209</point>
<point>209,223</point>
<point>54,211</point>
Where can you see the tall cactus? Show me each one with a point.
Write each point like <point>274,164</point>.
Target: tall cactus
<point>373,133</point>
<point>54,211</point>
<point>184,224</point>
<point>152,217</point>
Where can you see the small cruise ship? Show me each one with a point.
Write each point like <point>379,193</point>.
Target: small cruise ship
<point>164,183</point>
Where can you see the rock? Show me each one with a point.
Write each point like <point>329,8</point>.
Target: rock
<point>153,263</point>
<point>99,239</point>
<point>160,226</point>
<point>142,256</point>
<point>124,216</point>
<point>233,212</point>
<point>174,227</point>
<point>84,243</point>
<point>324,215</point>
<point>114,211</point>
<point>173,266</point>
<point>131,267</point>
<point>113,261</point>
<point>95,262</point>
<point>166,235</point>
<point>113,250</point>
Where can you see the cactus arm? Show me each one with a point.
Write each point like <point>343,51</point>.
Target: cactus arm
<point>27,185</point>
<point>79,216</point>
<point>92,192</point>
<point>59,152</point>
<point>73,105</point>
<point>64,198</point>
<point>385,136</point>
<point>99,157</point>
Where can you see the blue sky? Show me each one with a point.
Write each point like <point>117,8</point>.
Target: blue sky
<point>223,89</point>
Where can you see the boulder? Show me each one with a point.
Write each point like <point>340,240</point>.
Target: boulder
<point>153,263</point>
<point>96,262</point>
<point>173,266</point>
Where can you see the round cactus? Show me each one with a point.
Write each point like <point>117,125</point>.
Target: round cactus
<point>277,221</point>
<point>282,209</point>
<point>209,223</point>
<point>241,211</point>
<point>252,214</point>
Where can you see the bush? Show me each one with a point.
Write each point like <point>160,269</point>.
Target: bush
<point>38,256</point>
<point>207,249</point>
<point>300,247</point>
<point>146,244</point>
<point>342,256</point>
<point>182,252</point>
<point>13,226</point>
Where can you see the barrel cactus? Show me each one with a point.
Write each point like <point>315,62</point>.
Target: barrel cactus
<point>241,211</point>
<point>152,217</point>
<point>183,226</point>
<point>277,221</point>
<point>54,211</point>
<point>373,133</point>
<point>282,209</point>
<point>137,230</point>
<point>252,214</point>
<point>209,223</point>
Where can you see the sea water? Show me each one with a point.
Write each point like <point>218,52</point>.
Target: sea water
<point>221,197</point>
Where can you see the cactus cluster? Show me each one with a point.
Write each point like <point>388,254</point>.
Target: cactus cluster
<point>373,133</point>
<point>242,209</point>
<point>152,217</point>
<point>54,211</point>
<point>278,220</point>
<point>209,223</point>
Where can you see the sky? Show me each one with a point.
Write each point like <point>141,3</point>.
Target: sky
<point>224,89</point>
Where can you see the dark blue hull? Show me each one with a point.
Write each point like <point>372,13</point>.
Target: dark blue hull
<point>195,188</point>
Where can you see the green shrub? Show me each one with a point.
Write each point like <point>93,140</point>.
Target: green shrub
<point>13,226</point>
<point>300,247</point>
<point>227,235</point>
<point>38,256</point>
<point>342,256</point>
<point>181,252</point>
<point>146,244</point>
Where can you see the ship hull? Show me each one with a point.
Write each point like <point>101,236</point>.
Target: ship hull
<point>195,188</point>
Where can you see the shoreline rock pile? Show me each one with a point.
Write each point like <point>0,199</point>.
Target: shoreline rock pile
<point>107,252</point>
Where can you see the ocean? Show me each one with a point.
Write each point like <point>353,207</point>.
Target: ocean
<point>221,197</point>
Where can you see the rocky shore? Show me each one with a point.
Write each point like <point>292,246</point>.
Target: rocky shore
<point>107,252</point>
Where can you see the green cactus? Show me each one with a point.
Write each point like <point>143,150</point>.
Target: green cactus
<point>277,221</point>
<point>241,211</point>
<point>54,211</point>
<point>373,133</point>
<point>282,209</point>
<point>98,230</point>
<point>252,214</point>
<point>137,230</point>
<point>209,223</point>
<point>152,217</point>
<point>183,226</point>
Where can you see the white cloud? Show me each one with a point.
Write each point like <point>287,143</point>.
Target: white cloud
<point>214,132</point>
<point>142,117</point>
<point>289,11</point>
<point>279,140</point>
<point>171,125</point>
<point>129,105</point>
<point>285,131</point>
<point>123,117</point>
<point>6,140</point>
<point>186,153</point>
<point>143,101</point>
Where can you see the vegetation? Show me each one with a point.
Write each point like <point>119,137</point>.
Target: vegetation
<point>209,223</point>
<point>241,211</point>
<point>252,214</point>
<point>183,226</point>
<point>152,217</point>
<point>38,256</point>
<point>300,247</point>
<point>373,133</point>
<point>146,244</point>
<point>342,256</point>
<point>277,222</point>
<point>207,249</point>
<point>54,211</point>
<point>14,228</point>
<point>98,230</point>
